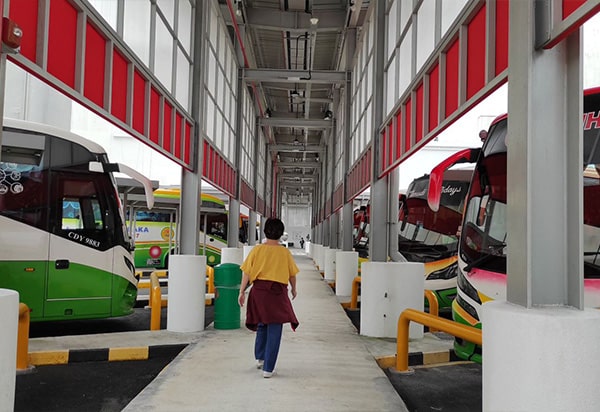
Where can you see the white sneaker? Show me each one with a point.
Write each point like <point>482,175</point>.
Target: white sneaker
<point>259,363</point>
<point>268,374</point>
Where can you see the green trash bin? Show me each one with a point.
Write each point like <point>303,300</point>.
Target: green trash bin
<point>228,277</point>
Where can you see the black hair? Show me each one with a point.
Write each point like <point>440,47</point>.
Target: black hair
<point>274,228</point>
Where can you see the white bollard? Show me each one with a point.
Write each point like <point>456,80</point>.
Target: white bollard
<point>232,255</point>
<point>346,269</point>
<point>9,308</point>
<point>187,289</point>
<point>329,273</point>
<point>247,250</point>
<point>387,289</point>
<point>315,255</point>
<point>308,249</point>
<point>540,359</point>
<point>322,255</point>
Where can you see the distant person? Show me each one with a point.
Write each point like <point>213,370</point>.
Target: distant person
<point>308,238</point>
<point>269,268</point>
<point>301,243</point>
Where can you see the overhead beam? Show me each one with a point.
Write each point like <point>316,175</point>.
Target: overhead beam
<point>305,186</point>
<point>300,165</point>
<point>298,179</point>
<point>295,21</point>
<point>294,76</point>
<point>295,122</point>
<point>311,148</point>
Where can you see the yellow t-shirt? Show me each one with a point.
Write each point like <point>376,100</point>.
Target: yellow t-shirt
<point>270,262</point>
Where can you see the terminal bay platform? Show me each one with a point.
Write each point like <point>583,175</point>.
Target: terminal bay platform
<point>324,365</point>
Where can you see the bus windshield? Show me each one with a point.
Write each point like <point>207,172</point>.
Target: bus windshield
<point>483,241</point>
<point>425,235</point>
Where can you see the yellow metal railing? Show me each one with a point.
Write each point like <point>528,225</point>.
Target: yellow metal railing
<point>468,333</point>
<point>210,283</point>
<point>155,302</point>
<point>434,307</point>
<point>23,338</point>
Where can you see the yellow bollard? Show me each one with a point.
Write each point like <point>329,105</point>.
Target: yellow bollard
<point>155,302</point>
<point>354,297</point>
<point>23,338</point>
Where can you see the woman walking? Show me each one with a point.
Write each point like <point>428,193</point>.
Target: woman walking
<point>269,267</point>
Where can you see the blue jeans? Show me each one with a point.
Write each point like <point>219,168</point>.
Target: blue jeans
<point>266,345</point>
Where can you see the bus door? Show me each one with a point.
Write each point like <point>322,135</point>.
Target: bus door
<point>79,281</point>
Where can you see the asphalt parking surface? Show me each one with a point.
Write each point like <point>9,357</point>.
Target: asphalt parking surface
<point>139,320</point>
<point>450,387</point>
<point>93,386</point>
<point>110,386</point>
<point>89,386</point>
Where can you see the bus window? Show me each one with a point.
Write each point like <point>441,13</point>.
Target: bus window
<point>23,193</point>
<point>85,216</point>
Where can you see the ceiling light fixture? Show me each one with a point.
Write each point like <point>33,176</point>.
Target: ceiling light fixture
<point>314,20</point>
<point>268,113</point>
<point>328,115</point>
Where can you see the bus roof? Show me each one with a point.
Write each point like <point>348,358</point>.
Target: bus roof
<point>53,131</point>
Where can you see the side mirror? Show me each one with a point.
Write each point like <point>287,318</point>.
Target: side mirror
<point>130,244</point>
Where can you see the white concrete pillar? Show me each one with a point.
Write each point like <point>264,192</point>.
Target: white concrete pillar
<point>232,255</point>
<point>9,308</point>
<point>387,289</point>
<point>346,269</point>
<point>540,359</point>
<point>308,249</point>
<point>329,272</point>
<point>187,288</point>
<point>246,252</point>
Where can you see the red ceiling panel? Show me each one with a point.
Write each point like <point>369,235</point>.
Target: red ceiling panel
<point>118,106</point>
<point>452,60</point>
<point>62,41</point>
<point>154,115</point>
<point>434,99</point>
<point>501,35</point>
<point>419,113</point>
<point>25,14</point>
<point>167,123</point>
<point>476,53</point>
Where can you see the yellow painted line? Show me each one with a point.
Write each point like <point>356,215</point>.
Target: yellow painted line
<point>386,362</point>
<point>431,358</point>
<point>436,357</point>
<point>49,358</point>
<point>124,354</point>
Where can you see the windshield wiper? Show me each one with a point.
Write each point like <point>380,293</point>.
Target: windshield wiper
<point>493,253</point>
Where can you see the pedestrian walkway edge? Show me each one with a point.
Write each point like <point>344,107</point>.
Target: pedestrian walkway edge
<point>59,357</point>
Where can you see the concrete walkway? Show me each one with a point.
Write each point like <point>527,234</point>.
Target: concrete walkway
<point>323,366</point>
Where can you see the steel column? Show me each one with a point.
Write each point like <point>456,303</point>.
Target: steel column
<point>191,181</point>
<point>379,193</point>
<point>545,139</point>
